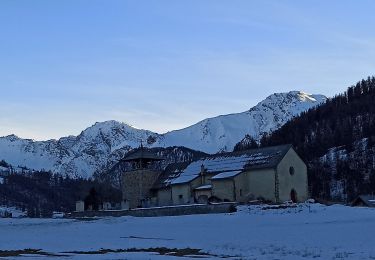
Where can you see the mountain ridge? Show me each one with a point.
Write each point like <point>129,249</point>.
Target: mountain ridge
<point>88,152</point>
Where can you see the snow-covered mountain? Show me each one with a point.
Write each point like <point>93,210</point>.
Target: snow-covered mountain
<point>108,141</point>
<point>223,132</point>
<point>77,156</point>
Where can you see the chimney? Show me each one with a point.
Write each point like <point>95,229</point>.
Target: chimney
<point>202,174</point>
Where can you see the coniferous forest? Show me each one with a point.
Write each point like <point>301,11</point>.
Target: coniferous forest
<point>337,141</point>
<point>41,193</point>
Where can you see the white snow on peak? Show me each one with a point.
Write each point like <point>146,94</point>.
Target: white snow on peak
<point>102,142</point>
<point>223,132</point>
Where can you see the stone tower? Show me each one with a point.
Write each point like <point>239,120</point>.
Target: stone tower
<point>137,182</point>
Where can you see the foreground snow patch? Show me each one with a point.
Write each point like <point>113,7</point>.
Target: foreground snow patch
<point>304,232</point>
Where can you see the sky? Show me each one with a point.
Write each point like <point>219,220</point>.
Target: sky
<point>164,65</point>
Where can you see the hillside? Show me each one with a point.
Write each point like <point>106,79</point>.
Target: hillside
<point>337,139</point>
<point>223,132</point>
<point>103,144</point>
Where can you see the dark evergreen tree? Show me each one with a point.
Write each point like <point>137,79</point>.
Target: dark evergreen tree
<point>343,126</point>
<point>247,143</point>
<point>41,193</point>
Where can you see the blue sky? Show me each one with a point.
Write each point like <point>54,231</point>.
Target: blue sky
<point>163,65</point>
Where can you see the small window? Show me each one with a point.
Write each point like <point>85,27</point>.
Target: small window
<point>291,170</point>
<point>241,192</point>
<point>180,196</point>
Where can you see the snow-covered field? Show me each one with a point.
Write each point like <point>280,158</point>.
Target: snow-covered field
<point>305,232</point>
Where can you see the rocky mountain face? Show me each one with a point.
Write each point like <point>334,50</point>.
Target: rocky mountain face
<point>221,133</point>
<point>77,156</point>
<point>103,144</point>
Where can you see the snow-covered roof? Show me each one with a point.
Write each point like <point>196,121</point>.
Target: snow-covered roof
<point>368,200</point>
<point>226,175</point>
<point>3,169</point>
<point>204,187</point>
<point>217,164</point>
<point>141,154</point>
<point>224,163</point>
<point>171,172</point>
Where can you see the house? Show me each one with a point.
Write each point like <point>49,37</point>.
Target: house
<point>275,174</point>
<point>364,201</point>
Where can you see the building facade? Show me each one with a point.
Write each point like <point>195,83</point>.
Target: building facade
<point>275,174</point>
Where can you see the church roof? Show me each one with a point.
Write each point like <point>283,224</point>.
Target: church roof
<point>231,163</point>
<point>141,153</point>
<point>226,175</point>
<point>171,172</point>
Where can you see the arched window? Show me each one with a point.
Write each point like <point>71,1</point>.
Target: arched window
<point>291,170</point>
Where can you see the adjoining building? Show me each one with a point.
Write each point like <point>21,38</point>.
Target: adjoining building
<point>274,174</point>
<point>364,201</point>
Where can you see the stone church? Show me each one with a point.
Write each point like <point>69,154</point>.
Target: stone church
<point>275,174</point>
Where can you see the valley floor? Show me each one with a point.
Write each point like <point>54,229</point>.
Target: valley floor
<point>306,232</point>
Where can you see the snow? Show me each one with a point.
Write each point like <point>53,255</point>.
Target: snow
<point>1,180</point>
<point>103,143</point>
<point>225,175</point>
<point>224,163</point>
<point>16,213</point>
<point>222,133</point>
<point>204,187</point>
<point>57,214</point>
<point>3,169</point>
<point>305,232</point>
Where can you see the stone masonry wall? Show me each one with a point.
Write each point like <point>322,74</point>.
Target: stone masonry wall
<point>136,186</point>
<point>161,211</point>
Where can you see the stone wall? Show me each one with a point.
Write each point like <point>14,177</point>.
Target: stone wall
<point>161,211</point>
<point>136,186</point>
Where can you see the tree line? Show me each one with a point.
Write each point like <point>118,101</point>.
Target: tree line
<point>343,127</point>
<point>43,192</point>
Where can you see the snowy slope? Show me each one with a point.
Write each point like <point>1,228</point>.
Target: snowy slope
<point>90,151</point>
<point>223,132</point>
<point>78,156</point>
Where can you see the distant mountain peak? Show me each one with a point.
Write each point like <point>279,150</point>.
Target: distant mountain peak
<point>12,137</point>
<point>109,124</point>
<point>297,95</point>
<point>221,133</point>
<point>91,150</point>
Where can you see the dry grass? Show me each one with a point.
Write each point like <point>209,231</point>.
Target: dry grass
<point>28,251</point>
<point>178,252</point>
